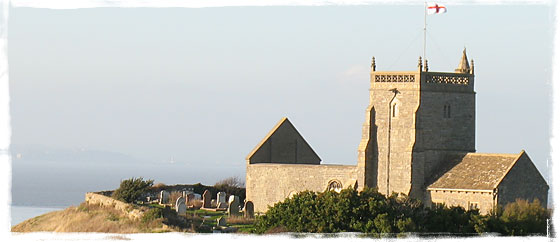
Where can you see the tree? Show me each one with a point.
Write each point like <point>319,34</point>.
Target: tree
<point>233,181</point>
<point>231,186</point>
<point>131,189</point>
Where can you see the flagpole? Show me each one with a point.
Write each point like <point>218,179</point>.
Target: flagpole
<point>425,14</point>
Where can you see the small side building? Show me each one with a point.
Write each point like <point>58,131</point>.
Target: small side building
<point>483,181</point>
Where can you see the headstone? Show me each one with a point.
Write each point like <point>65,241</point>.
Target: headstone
<point>181,208</point>
<point>221,197</point>
<point>222,221</point>
<point>249,209</point>
<point>231,197</point>
<point>179,200</point>
<point>222,205</point>
<point>213,203</point>
<point>233,209</point>
<point>164,197</point>
<point>206,199</point>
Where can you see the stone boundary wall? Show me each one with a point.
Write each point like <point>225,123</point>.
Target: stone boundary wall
<point>101,200</point>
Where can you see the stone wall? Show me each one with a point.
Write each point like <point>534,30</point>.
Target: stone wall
<point>445,124</point>
<point>523,181</point>
<point>464,198</point>
<point>101,200</point>
<point>270,183</point>
<point>386,154</point>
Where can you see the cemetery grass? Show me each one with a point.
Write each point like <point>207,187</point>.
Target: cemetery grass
<point>90,218</point>
<point>209,218</point>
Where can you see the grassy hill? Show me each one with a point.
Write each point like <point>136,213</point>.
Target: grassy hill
<point>95,218</point>
<point>92,218</point>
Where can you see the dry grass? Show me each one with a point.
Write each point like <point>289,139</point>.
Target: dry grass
<point>197,204</point>
<point>88,218</point>
<point>173,196</point>
<point>240,220</point>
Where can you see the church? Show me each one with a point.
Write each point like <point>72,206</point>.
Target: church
<point>418,139</point>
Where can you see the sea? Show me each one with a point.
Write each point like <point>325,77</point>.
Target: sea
<point>22,213</point>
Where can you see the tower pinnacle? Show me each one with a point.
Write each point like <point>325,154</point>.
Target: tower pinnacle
<point>464,64</point>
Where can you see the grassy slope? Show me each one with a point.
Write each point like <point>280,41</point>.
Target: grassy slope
<point>89,218</point>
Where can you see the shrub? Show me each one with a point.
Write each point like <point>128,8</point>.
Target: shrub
<point>131,189</point>
<point>152,214</point>
<point>329,212</point>
<point>368,212</point>
<point>523,218</point>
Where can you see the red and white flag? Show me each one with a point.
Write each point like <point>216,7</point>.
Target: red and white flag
<point>434,8</point>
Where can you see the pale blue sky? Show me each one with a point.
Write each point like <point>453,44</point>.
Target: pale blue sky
<point>204,86</point>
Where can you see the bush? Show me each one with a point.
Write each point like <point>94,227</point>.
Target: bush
<point>330,212</point>
<point>152,214</point>
<point>131,189</point>
<point>373,213</point>
<point>523,218</point>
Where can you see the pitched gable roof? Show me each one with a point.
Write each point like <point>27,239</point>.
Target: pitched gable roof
<point>283,144</point>
<point>474,171</point>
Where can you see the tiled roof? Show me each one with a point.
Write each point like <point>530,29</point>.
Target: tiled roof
<point>474,171</point>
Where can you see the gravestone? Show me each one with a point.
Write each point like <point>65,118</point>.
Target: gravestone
<point>221,197</point>
<point>233,209</point>
<point>249,209</point>
<point>231,197</point>
<point>221,221</point>
<point>206,199</point>
<point>164,197</point>
<point>179,200</point>
<point>181,208</point>
<point>223,205</point>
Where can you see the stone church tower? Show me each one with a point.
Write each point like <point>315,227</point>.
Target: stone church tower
<point>414,120</point>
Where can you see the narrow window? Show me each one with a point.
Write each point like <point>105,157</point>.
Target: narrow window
<point>447,111</point>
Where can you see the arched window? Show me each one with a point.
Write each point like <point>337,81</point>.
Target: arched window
<point>334,185</point>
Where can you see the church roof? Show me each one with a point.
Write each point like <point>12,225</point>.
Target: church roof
<point>473,171</point>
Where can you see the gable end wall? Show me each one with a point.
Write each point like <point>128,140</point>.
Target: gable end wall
<point>523,181</point>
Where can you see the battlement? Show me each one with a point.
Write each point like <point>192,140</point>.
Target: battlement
<point>399,77</point>
<point>426,81</point>
<point>461,80</point>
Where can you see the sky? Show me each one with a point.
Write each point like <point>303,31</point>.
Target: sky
<point>183,95</point>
